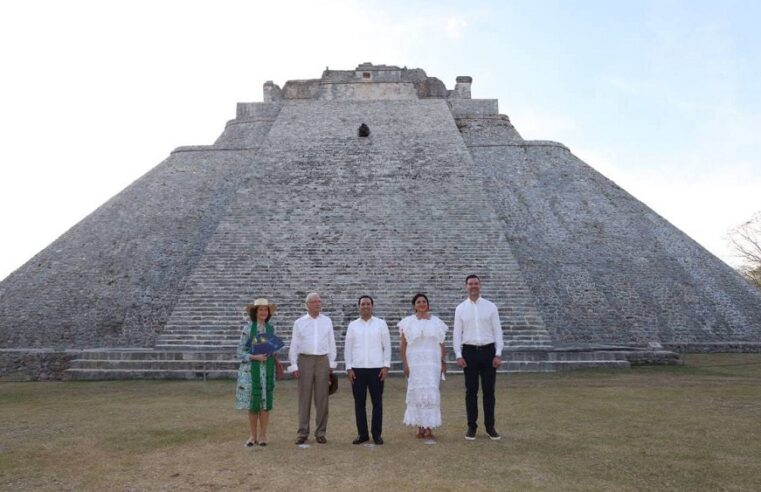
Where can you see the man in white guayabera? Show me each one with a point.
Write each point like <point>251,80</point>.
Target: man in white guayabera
<point>477,340</point>
<point>313,357</point>
<point>368,358</point>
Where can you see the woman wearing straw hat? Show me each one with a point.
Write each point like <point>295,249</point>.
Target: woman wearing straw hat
<point>256,375</point>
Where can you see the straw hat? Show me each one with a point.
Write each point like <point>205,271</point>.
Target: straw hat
<point>251,308</point>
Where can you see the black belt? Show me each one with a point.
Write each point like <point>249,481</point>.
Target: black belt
<point>479,347</point>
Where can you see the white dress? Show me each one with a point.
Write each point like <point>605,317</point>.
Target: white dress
<point>424,337</point>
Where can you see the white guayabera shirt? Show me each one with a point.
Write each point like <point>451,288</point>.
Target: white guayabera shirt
<point>368,344</point>
<point>476,323</point>
<point>312,336</point>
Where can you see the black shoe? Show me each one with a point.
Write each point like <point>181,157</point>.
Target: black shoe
<point>378,440</point>
<point>470,434</point>
<point>360,440</point>
<point>493,434</point>
<point>321,440</point>
<point>301,440</point>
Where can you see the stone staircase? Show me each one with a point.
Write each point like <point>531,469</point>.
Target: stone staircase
<point>390,215</point>
<point>161,364</point>
<point>208,352</point>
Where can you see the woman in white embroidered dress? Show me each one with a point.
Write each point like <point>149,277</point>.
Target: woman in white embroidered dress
<point>423,360</point>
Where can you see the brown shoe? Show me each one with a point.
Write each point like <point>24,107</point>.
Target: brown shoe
<point>301,440</point>
<point>321,440</point>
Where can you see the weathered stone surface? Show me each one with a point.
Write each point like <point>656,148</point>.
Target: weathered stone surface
<point>35,364</point>
<point>398,213</point>
<point>290,199</point>
<point>603,267</point>
<point>462,87</point>
<point>113,279</point>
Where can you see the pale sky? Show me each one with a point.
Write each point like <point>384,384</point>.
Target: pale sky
<point>663,97</point>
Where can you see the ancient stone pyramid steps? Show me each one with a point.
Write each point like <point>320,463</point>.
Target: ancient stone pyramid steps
<point>219,285</point>
<point>147,364</point>
<point>228,340</point>
<point>610,268</point>
<point>208,329</point>
<point>290,199</point>
<point>425,226</point>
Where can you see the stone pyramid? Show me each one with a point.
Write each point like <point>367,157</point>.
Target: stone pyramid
<point>293,198</point>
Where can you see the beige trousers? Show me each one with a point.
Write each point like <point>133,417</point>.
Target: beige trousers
<point>313,380</point>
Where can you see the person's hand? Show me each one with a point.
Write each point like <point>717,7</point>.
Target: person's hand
<point>383,373</point>
<point>461,363</point>
<point>406,371</point>
<point>351,375</point>
<point>259,357</point>
<point>296,374</point>
<point>496,362</point>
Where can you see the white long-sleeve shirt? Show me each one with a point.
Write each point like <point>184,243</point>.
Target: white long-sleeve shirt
<point>367,344</point>
<point>476,323</point>
<point>312,336</point>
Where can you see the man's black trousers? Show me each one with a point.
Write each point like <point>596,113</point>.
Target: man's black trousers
<point>479,365</point>
<point>368,380</point>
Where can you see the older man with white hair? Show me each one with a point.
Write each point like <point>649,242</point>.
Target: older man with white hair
<point>313,357</point>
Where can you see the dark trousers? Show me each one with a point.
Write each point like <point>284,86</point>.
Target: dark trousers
<point>479,365</point>
<point>368,379</point>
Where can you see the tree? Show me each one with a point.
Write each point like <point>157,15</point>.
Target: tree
<point>746,241</point>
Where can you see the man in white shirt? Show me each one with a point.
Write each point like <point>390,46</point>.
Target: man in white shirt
<point>477,340</point>
<point>313,357</point>
<point>367,351</point>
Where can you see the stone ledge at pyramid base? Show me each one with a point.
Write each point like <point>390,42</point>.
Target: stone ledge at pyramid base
<point>159,364</point>
<point>714,347</point>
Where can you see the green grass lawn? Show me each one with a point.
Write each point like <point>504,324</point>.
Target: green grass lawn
<point>694,427</point>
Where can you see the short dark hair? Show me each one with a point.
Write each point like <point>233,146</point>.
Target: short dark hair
<point>472,275</point>
<point>365,297</point>
<point>252,313</point>
<point>419,295</point>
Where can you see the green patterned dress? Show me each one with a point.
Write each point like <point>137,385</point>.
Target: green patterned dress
<point>256,380</point>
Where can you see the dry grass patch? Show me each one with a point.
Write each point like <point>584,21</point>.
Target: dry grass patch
<point>692,427</point>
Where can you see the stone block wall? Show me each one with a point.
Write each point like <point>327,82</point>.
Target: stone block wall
<point>250,127</point>
<point>290,200</point>
<point>35,365</point>
<point>264,111</point>
<point>113,279</point>
<point>473,107</point>
<point>601,265</point>
<point>487,130</point>
<point>362,91</point>
<point>396,213</point>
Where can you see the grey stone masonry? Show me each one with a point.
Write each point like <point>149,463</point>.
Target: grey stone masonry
<point>291,199</point>
<point>604,268</point>
<point>113,279</point>
<point>324,210</point>
<point>159,364</point>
